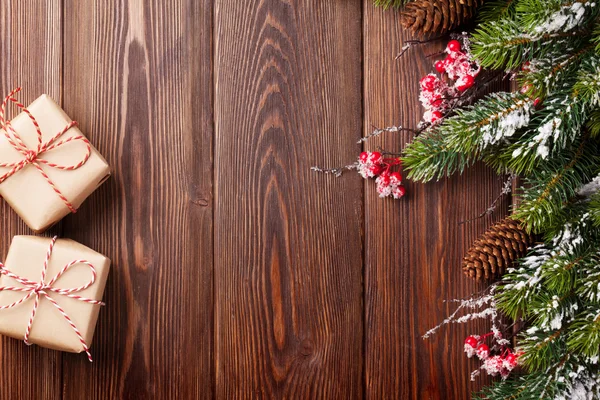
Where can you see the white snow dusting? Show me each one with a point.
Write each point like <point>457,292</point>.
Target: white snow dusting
<point>565,19</point>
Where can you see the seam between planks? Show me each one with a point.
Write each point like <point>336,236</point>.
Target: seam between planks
<point>213,94</point>
<point>364,205</point>
<point>61,84</point>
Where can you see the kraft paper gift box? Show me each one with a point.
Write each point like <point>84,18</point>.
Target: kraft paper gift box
<point>39,203</point>
<point>50,328</point>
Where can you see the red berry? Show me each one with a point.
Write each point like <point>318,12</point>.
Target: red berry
<point>375,157</point>
<point>453,46</point>
<point>399,191</point>
<point>483,351</point>
<point>435,115</point>
<point>471,341</point>
<point>396,176</point>
<point>375,169</point>
<point>384,179</point>
<point>511,359</point>
<point>436,100</point>
<point>467,82</point>
<point>525,66</point>
<point>537,102</point>
<point>364,156</point>
<point>449,60</point>
<point>428,82</point>
<point>440,66</point>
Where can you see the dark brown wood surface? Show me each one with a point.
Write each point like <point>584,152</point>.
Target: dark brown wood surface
<point>238,272</point>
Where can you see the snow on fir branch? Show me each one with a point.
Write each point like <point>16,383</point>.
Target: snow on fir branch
<point>590,188</point>
<point>505,123</point>
<point>588,83</point>
<point>547,132</point>
<point>567,18</point>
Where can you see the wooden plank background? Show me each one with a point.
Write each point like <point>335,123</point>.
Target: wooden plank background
<point>237,272</point>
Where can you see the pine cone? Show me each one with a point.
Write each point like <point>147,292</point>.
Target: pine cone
<point>496,250</point>
<point>437,16</point>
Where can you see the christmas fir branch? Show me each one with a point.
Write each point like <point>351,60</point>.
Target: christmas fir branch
<point>548,188</point>
<point>389,3</point>
<point>547,133</point>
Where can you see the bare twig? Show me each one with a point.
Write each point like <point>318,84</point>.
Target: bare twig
<point>410,43</point>
<point>506,189</point>
<point>379,131</point>
<point>337,172</point>
<point>384,152</point>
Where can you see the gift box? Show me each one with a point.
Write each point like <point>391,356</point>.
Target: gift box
<point>51,292</point>
<point>47,166</point>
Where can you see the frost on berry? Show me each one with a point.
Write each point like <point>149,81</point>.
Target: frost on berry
<point>374,165</point>
<point>510,361</point>
<point>483,352</point>
<point>369,164</point>
<point>390,185</point>
<point>470,350</point>
<point>438,95</point>
<point>493,365</point>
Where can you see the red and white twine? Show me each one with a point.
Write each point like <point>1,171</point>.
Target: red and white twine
<point>41,288</point>
<point>33,156</point>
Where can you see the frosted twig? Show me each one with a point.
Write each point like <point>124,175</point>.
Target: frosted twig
<point>337,172</point>
<point>506,189</point>
<point>379,131</point>
<point>475,303</point>
<point>472,303</point>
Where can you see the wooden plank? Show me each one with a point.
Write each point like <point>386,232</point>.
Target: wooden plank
<point>287,241</point>
<point>138,77</point>
<point>31,49</point>
<point>414,246</point>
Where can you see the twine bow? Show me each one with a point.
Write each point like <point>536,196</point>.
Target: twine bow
<point>33,156</point>
<point>41,288</point>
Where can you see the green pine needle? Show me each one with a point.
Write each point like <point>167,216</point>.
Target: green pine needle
<point>429,157</point>
<point>584,333</point>
<point>390,3</point>
<point>548,189</point>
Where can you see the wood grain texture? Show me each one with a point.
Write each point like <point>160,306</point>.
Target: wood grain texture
<point>238,272</point>
<point>287,241</point>
<point>414,246</point>
<point>138,77</point>
<point>31,58</point>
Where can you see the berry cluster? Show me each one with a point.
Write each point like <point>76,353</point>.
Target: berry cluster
<point>501,364</point>
<point>437,93</point>
<point>374,165</point>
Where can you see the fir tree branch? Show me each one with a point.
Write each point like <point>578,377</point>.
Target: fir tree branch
<point>584,335</point>
<point>497,9</point>
<point>429,157</point>
<point>549,188</point>
<point>389,3</point>
<point>544,74</point>
<point>502,44</point>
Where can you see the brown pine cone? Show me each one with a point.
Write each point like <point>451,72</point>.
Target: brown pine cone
<point>437,16</point>
<point>496,250</point>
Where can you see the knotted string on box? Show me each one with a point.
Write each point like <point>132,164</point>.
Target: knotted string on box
<point>41,288</point>
<point>32,156</point>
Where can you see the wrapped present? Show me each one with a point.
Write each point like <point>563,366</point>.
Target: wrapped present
<point>47,166</point>
<point>51,292</point>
